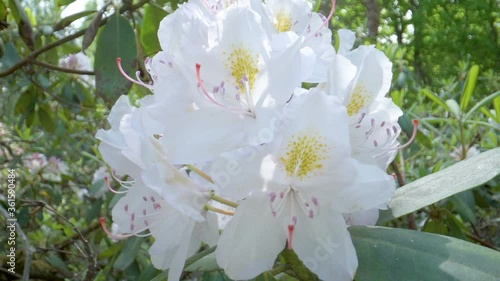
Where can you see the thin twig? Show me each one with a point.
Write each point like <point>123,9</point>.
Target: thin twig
<point>481,241</point>
<point>58,97</point>
<point>62,69</point>
<point>33,55</point>
<point>91,259</point>
<point>401,181</point>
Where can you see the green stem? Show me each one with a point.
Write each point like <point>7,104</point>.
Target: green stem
<point>223,201</point>
<point>297,266</point>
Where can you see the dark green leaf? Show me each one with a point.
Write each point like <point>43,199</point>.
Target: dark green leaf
<point>464,175</point>
<point>398,254</point>
<point>117,40</point>
<point>46,119</point>
<point>128,253</point>
<point>463,209</point>
<point>24,103</point>
<point>11,56</point>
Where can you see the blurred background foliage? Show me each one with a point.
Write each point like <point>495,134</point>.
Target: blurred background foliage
<point>446,64</point>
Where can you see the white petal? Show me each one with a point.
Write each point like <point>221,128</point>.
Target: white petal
<point>374,70</point>
<point>176,188</point>
<point>324,245</point>
<point>347,38</point>
<point>239,173</point>
<point>342,72</point>
<point>365,217</point>
<point>202,135</point>
<point>372,188</point>
<point>252,240</point>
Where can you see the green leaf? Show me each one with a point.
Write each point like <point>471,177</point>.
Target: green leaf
<point>464,175</point>
<point>24,103</point>
<point>149,29</point>
<point>454,107</point>
<point>64,22</point>
<point>435,226</point>
<point>392,254</point>
<point>266,276</point>
<point>463,209</point>
<point>64,2</point>
<point>482,103</point>
<point>117,40</point>
<point>207,263</point>
<point>46,119</point>
<point>128,253</point>
<point>10,56</point>
<point>469,87</point>
<point>437,100</point>
<point>496,105</point>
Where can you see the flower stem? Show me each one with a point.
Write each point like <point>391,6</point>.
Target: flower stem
<point>223,201</point>
<point>297,266</point>
<point>217,210</point>
<point>199,172</point>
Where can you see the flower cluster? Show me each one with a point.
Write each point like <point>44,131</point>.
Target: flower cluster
<point>230,131</point>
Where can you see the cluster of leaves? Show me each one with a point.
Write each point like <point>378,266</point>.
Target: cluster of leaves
<point>442,76</point>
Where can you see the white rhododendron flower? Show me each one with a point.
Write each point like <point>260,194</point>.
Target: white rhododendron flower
<point>299,187</point>
<point>177,235</point>
<point>229,140</point>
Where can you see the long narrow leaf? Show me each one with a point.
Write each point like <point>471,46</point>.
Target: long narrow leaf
<point>482,103</point>
<point>436,99</point>
<point>469,87</point>
<point>452,180</point>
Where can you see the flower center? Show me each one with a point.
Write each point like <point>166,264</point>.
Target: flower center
<point>243,65</point>
<point>304,155</point>
<point>283,21</point>
<point>360,97</point>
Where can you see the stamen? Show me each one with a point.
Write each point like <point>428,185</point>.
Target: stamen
<point>325,22</point>
<point>102,221</point>
<point>413,135</point>
<point>120,68</point>
<point>122,182</point>
<point>205,92</point>
<point>106,182</point>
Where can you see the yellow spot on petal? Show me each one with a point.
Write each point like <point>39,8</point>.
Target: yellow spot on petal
<point>360,97</point>
<point>283,21</point>
<point>243,63</point>
<point>304,155</point>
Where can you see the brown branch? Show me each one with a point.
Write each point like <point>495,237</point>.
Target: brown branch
<point>481,241</point>
<point>75,236</point>
<point>401,181</point>
<point>62,69</point>
<point>33,55</point>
